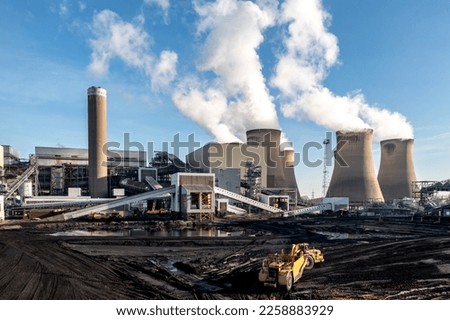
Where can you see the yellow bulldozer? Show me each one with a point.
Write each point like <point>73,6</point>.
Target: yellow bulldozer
<point>285,269</point>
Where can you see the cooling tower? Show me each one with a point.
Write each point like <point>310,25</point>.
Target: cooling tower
<point>396,173</point>
<point>280,170</point>
<point>353,174</point>
<point>98,169</point>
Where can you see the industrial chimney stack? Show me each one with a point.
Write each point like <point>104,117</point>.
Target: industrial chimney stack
<point>280,165</point>
<point>98,169</point>
<point>396,173</point>
<point>353,173</point>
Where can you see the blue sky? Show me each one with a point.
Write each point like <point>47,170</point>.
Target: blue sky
<point>217,68</point>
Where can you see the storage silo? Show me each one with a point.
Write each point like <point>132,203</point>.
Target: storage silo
<point>280,171</point>
<point>396,174</point>
<point>354,174</point>
<point>98,160</point>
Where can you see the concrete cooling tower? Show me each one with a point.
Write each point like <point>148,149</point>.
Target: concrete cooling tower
<point>354,174</point>
<point>98,169</point>
<point>396,173</point>
<point>280,169</point>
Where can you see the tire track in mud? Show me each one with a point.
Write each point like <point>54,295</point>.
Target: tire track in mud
<point>407,269</point>
<point>39,268</point>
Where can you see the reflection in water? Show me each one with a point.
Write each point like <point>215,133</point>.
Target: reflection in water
<point>141,233</point>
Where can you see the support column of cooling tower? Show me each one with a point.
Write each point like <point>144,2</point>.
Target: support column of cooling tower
<point>98,169</point>
<point>354,174</point>
<point>396,173</point>
<point>280,169</point>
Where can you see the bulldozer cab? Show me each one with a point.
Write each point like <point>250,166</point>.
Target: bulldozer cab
<point>299,249</point>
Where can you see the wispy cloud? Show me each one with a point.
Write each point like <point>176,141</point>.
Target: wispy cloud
<point>435,144</point>
<point>163,4</point>
<point>82,6</point>
<point>129,42</point>
<point>63,8</point>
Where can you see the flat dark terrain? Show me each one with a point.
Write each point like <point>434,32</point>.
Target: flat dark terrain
<point>364,259</point>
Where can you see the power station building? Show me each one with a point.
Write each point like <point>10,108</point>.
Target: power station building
<point>10,155</point>
<point>62,168</point>
<point>258,173</point>
<point>258,166</point>
<point>228,161</point>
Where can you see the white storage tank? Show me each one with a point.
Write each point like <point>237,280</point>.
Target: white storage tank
<point>118,192</point>
<point>74,192</point>
<point>26,189</point>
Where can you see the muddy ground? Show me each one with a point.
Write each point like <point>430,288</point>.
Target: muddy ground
<point>365,258</point>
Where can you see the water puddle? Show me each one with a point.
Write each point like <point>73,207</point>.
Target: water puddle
<point>333,235</point>
<point>142,233</point>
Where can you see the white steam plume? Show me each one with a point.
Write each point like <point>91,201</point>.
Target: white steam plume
<point>115,38</point>
<point>238,99</point>
<point>310,52</point>
<point>206,106</point>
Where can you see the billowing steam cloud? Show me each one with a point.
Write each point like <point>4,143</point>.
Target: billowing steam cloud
<point>237,99</point>
<point>206,106</point>
<point>228,95</point>
<point>310,51</point>
<point>115,38</point>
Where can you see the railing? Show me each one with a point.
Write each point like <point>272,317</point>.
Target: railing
<point>120,202</point>
<point>319,207</point>
<point>236,210</point>
<point>153,183</point>
<point>21,180</point>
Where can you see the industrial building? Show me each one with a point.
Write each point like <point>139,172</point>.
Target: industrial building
<point>432,193</point>
<point>63,168</point>
<point>259,169</point>
<point>194,196</point>
<point>218,178</point>
<point>10,155</point>
<point>229,161</point>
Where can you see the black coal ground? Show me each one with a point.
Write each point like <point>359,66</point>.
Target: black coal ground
<point>365,258</point>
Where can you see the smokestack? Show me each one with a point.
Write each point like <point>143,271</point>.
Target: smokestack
<point>98,170</point>
<point>354,174</point>
<point>396,172</point>
<point>280,170</point>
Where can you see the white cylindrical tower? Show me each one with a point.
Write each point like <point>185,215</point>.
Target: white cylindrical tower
<point>98,158</point>
<point>354,173</point>
<point>396,174</point>
<point>279,164</point>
